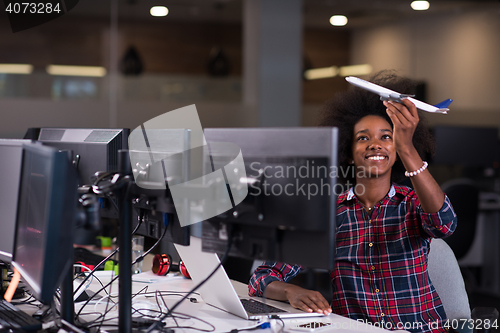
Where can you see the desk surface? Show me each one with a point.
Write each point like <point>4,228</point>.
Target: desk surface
<point>152,292</point>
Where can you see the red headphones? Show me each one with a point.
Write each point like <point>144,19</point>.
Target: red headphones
<point>162,264</point>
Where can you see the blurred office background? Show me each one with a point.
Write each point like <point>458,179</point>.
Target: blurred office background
<point>224,55</point>
<point>242,62</point>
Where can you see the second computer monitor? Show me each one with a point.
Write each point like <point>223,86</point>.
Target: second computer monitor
<point>466,146</point>
<point>43,246</point>
<point>92,149</point>
<point>10,171</point>
<point>289,212</point>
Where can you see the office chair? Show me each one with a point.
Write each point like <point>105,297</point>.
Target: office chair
<point>446,277</point>
<point>464,196</point>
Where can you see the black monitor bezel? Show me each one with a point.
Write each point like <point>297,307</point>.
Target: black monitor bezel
<point>18,143</point>
<point>280,242</point>
<point>59,223</point>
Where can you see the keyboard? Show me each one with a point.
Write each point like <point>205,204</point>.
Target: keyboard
<point>88,257</point>
<point>256,307</point>
<point>12,317</point>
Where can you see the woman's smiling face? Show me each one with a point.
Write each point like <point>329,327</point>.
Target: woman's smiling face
<point>373,148</point>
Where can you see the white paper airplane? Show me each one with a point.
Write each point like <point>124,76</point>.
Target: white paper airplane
<point>390,95</point>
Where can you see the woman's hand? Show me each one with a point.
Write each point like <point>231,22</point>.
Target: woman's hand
<point>405,119</point>
<point>307,300</point>
<point>298,297</point>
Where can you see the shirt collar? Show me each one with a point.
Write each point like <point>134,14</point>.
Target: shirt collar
<point>351,194</point>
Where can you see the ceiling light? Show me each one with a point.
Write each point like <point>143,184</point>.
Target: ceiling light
<point>355,70</point>
<point>338,20</point>
<point>94,71</point>
<point>159,11</point>
<point>321,73</point>
<point>420,5</point>
<point>326,72</point>
<point>16,68</point>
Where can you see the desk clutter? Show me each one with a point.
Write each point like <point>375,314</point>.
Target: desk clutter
<point>152,297</point>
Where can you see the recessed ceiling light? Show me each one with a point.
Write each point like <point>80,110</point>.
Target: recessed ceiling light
<point>326,72</point>
<point>321,73</point>
<point>16,68</point>
<point>338,20</point>
<point>159,11</point>
<point>420,5</point>
<point>95,71</point>
<point>355,70</point>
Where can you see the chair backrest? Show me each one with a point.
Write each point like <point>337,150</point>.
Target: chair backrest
<point>464,196</point>
<point>446,277</point>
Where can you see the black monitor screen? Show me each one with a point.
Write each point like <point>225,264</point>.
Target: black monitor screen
<point>10,170</point>
<point>34,193</point>
<point>466,146</point>
<point>46,214</point>
<point>290,174</point>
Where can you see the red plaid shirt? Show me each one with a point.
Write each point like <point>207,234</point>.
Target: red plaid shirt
<point>380,273</point>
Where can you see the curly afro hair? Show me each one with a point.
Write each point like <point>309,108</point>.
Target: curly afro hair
<point>346,108</point>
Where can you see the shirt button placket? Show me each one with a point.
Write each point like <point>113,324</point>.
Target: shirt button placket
<point>377,292</point>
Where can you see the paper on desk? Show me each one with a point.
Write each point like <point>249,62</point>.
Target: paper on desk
<point>150,277</point>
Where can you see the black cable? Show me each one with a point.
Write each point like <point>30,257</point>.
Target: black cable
<point>107,258</point>
<point>28,301</point>
<point>107,302</point>
<point>229,243</point>
<point>188,316</point>
<point>150,317</point>
<point>85,276</point>
<point>166,306</point>
<point>113,279</point>
<point>103,314</point>
<point>177,315</point>
<point>106,311</point>
<point>141,257</point>
<point>173,293</point>
<point>95,269</point>
<point>112,201</point>
<point>103,176</point>
<point>94,322</point>
<point>157,302</point>
<point>282,322</point>
<point>113,185</point>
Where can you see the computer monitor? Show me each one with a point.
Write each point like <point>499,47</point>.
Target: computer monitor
<point>92,149</point>
<point>158,155</point>
<point>290,211</point>
<point>46,212</point>
<point>10,171</point>
<point>466,146</point>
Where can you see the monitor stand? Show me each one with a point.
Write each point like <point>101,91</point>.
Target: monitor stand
<point>67,303</point>
<point>3,277</point>
<point>3,268</point>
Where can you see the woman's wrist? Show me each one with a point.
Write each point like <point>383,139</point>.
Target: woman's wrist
<point>407,152</point>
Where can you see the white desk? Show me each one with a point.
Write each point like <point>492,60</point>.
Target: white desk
<point>215,319</point>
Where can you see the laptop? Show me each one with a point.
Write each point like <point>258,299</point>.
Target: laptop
<point>220,292</point>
